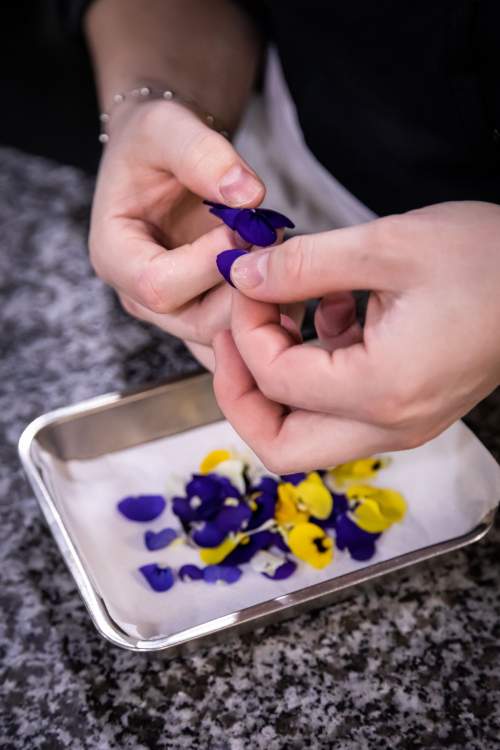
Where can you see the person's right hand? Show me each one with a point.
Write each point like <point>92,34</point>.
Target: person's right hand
<point>151,238</point>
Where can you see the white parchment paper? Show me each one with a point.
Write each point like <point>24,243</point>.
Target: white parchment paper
<point>449,485</point>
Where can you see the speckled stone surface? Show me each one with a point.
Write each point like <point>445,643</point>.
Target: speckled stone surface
<point>414,663</point>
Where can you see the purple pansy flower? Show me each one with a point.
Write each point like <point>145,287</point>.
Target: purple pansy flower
<point>255,225</point>
<point>209,535</point>
<point>340,507</point>
<point>142,508</point>
<point>205,498</point>
<point>226,573</point>
<point>267,485</point>
<point>360,543</point>
<point>283,571</point>
<point>233,518</point>
<point>155,540</point>
<point>266,505</point>
<point>160,579</point>
<point>191,572</point>
<point>244,552</point>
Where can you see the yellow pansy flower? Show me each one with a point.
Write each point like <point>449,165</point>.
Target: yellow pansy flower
<point>213,459</point>
<point>378,508</point>
<point>287,511</point>
<point>215,555</point>
<point>310,543</point>
<point>360,470</point>
<point>315,496</point>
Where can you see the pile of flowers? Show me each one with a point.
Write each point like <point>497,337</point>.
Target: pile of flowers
<point>232,515</point>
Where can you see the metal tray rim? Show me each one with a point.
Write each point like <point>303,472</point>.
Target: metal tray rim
<point>258,614</point>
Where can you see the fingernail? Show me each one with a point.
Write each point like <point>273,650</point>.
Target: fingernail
<point>238,186</point>
<point>225,261</point>
<point>250,271</point>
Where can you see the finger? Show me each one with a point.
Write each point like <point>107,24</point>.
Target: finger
<point>203,160</point>
<point>204,354</point>
<point>161,281</point>
<point>335,321</point>
<point>301,376</point>
<point>353,258</point>
<point>286,442</point>
<point>197,322</point>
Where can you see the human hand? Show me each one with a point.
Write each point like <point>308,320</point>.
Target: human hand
<point>429,350</point>
<point>160,159</point>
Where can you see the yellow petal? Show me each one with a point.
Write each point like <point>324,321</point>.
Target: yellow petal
<point>362,469</point>
<point>392,505</point>
<point>310,543</point>
<point>215,555</point>
<point>286,511</point>
<point>212,460</point>
<point>369,518</point>
<point>378,507</point>
<point>315,496</point>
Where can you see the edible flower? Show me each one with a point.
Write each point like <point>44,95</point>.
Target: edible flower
<point>310,543</point>
<point>190,572</point>
<point>356,471</point>
<point>142,508</point>
<point>359,543</point>
<point>375,509</point>
<point>213,459</point>
<point>255,225</point>
<point>315,496</point>
<point>160,579</point>
<point>217,553</point>
<point>155,540</point>
<point>272,566</point>
<point>287,507</point>
<point>223,573</point>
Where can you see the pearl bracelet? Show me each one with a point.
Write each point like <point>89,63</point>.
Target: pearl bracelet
<point>146,92</point>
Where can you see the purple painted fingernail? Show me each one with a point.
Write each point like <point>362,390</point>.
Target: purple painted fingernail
<point>225,261</point>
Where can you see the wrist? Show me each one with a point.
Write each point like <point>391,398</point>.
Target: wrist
<point>125,102</point>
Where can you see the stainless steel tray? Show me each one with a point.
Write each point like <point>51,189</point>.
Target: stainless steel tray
<point>117,421</point>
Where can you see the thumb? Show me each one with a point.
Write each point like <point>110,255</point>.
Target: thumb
<point>317,264</point>
<point>205,162</point>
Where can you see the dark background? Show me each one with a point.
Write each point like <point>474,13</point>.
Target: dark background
<point>49,105</point>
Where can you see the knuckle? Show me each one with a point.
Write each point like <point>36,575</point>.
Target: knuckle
<point>149,295</point>
<point>295,258</point>
<point>393,409</point>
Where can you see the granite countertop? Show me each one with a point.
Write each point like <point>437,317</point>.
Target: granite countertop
<point>414,663</point>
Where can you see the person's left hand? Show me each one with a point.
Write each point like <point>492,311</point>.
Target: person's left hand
<point>429,351</point>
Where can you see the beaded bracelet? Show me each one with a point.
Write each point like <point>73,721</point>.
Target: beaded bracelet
<point>146,92</point>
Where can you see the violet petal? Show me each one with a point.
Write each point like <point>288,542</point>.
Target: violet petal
<point>210,535</point>
<point>232,518</point>
<point>294,479</point>
<point>254,228</point>
<point>191,572</point>
<point>348,534</point>
<point>243,553</point>
<point>155,540</point>
<point>279,542</point>
<point>183,510</point>
<point>275,219</point>
<point>266,505</point>
<point>225,213</point>
<point>284,571</point>
<point>225,261</point>
<point>226,573</point>
<point>160,579</point>
<point>267,485</point>
<point>142,508</point>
